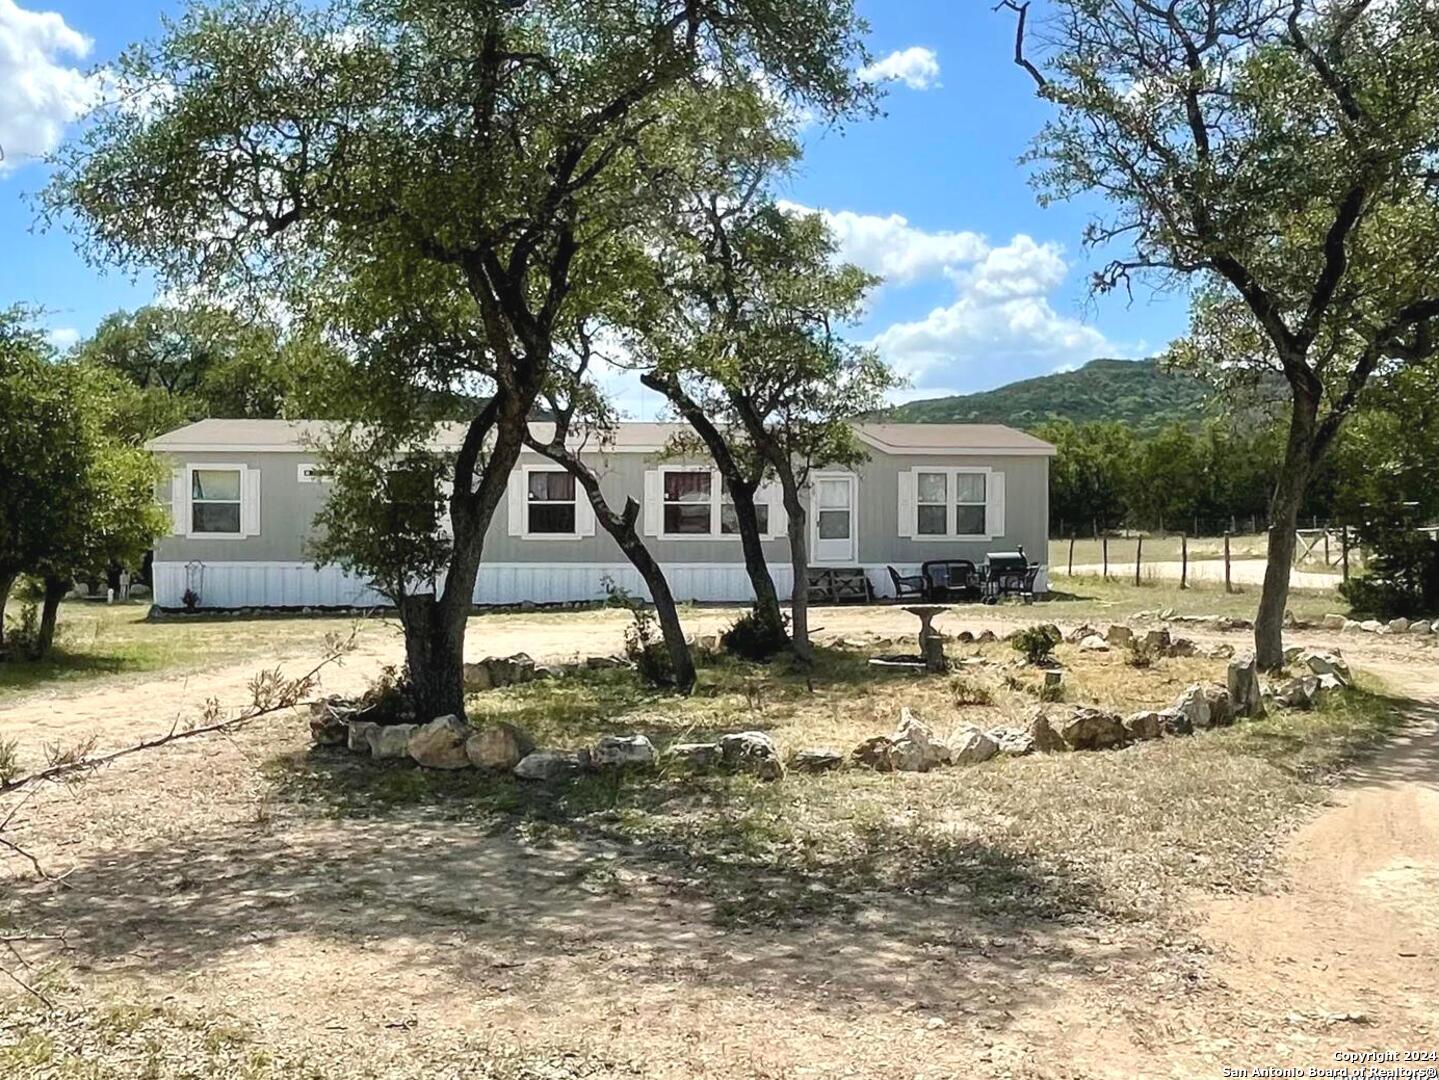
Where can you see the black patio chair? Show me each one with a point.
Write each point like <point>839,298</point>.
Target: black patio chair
<point>950,579</point>
<point>914,585</point>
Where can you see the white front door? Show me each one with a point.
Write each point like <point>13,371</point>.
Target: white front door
<point>833,535</point>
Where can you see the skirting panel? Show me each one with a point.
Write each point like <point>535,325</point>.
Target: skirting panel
<point>299,585</point>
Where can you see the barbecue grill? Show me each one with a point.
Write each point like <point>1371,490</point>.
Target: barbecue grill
<point>1008,573</point>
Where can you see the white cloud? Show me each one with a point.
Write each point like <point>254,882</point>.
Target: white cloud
<point>916,67</point>
<point>39,92</point>
<point>62,337</point>
<point>1001,325</point>
<point>893,248</point>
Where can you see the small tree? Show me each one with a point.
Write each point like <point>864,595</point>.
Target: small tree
<point>1281,153</point>
<point>764,365</point>
<point>583,420</point>
<point>74,499</point>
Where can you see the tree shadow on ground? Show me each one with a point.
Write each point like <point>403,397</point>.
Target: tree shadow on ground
<point>528,876</point>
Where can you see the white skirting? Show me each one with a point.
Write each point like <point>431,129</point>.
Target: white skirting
<point>299,585</point>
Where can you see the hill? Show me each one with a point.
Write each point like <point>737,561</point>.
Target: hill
<point>1136,392</point>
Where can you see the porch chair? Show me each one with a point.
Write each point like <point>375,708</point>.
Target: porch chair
<point>915,585</point>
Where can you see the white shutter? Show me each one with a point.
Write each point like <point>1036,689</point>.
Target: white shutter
<point>515,508</point>
<point>654,502</point>
<point>250,502</point>
<point>994,504</point>
<point>584,512</point>
<point>772,495</point>
<point>180,501</point>
<point>906,504</point>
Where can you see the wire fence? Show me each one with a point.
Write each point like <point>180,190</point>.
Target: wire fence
<point>1319,549</point>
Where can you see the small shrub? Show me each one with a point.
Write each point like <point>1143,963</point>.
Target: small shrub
<point>966,691</point>
<point>645,648</point>
<point>22,632</point>
<point>644,640</point>
<point>1037,642</point>
<point>389,698</point>
<point>9,761</point>
<point>28,587</point>
<point>753,637</point>
<point>190,600</point>
<point>1402,569</point>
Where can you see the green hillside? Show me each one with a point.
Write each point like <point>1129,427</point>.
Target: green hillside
<point>1136,392</point>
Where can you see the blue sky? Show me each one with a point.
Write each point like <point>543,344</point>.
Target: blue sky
<point>982,285</point>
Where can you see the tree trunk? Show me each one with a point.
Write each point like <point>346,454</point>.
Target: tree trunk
<point>7,582</point>
<point>766,596</point>
<point>435,625</point>
<point>742,489</point>
<point>54,593</point>
<point>621,527</point>
<point>1284,518</point>
<point>434,658</point>
<point>799,564</point>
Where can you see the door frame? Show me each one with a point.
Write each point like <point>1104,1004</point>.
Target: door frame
<point>814,541</point>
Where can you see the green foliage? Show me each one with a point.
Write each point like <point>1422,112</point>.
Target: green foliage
<point>644,642</point>
<point>22,631</point>
<point>1141,394</point>
<point>1037,642</point>
<point>74,498</point>
<point>182,363</point>
<point>1402,574</point>
<point>1104,475</point>
<point>451,226</point>
<point>754,637</point>
<point>385,516</point>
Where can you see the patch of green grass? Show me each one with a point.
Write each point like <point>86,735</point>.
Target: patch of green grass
<point>1083,597</point>
<point>95,640</point>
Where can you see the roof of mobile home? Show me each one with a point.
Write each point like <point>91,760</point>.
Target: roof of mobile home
<point>278,436</point>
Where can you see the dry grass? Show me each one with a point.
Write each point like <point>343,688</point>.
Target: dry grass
<point>1111,835</point>
<point>140,1040</point>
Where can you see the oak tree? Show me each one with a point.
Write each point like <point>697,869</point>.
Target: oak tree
<point>1279,154</point>
<point>460,152</point>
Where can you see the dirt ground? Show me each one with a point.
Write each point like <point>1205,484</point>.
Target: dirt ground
<point>401,940</point>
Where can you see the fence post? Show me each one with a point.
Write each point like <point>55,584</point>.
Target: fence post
<point>1344,549</point>
<point>1326,547</point>
<point>1138,554</point>
<point>1104,551</point>
<point>1183,560</point>
<point>1071,554</point>
<point>1228,586</point>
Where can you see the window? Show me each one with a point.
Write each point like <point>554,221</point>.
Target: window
<point>969,503</point>
<point>834,511</point>
<point>954,502</point>
<point>688,502</point>
<point>215,502</point>
<point>931,496</point>
<point>551,503</point>
<point>729,520</point>
<point>412,501</point>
